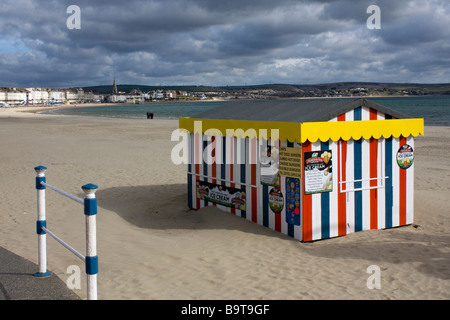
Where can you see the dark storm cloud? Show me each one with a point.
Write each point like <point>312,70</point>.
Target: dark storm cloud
<point>222,42</point>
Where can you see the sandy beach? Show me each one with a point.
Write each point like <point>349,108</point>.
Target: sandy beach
<point>150,246</point>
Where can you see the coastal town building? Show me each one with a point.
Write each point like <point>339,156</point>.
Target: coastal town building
<point>38,96</point>
<point>13,96</point>
<point>116,98</point>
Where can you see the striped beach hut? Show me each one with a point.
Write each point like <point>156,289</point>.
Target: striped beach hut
<point>309,168</point>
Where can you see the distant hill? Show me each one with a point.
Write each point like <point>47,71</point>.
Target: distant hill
<point>441,88</point>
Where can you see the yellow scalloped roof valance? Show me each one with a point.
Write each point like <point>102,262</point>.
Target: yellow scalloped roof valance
<point>301,132</point>
<point>356,130</point>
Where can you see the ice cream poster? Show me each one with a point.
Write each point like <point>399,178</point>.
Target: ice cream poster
<point>276,200</point>
<point>226,196</point>
<point>318,171</point>
<point>405,156</point>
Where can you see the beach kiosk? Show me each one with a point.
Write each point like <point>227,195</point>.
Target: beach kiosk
<point>309,168</point>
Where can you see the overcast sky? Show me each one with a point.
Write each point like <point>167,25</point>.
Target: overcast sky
<point>222,42</point>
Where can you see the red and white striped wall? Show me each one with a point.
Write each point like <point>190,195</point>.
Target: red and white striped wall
<point>365,204</point>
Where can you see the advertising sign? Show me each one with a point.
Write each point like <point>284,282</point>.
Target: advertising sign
<point>268,160</point>
<point>293,186</point>
<point>276,201</point>
<point>290,162</point>
<point>318,173</point>
<point>226,196</point>
<point>405,156</point>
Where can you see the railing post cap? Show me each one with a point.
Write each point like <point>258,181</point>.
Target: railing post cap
<point>40,168</point>
<point>89,187</point>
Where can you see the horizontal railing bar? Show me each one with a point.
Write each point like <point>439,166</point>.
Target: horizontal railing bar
<point>75,252</point>
<point>362,189</point>
<point>63,192</point>
<point>362,180</point>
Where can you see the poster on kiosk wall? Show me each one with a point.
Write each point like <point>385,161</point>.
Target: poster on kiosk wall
<point>293,202</point>
<point>318,172</point>
<point>223,195</point>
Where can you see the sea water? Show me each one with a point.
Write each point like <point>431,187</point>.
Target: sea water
<point>164,110</point>
<point>434,109</point>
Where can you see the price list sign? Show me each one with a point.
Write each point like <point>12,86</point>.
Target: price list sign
<point>290,162</point>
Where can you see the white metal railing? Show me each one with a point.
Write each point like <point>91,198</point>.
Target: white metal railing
<point>90,211</point>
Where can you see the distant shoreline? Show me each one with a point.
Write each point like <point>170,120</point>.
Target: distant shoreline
<point>37,109</point>
<point>44,109</point>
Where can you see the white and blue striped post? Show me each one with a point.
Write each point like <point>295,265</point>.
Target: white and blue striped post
<point>91,260</point>
<point>41,222</point>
